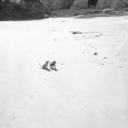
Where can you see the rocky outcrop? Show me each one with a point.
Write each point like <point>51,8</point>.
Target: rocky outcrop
<point>63,4</point>
<point>117,4</point>
<point>102,4</point>
<point>58,4</point>
<point>80,3</point>
<point>23,10</point>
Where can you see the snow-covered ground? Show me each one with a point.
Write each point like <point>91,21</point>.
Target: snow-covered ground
<point>90,90</point>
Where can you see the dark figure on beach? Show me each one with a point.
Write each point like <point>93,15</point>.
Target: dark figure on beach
<point>53,65</point>
<point>92,3</point>
<point>45,66</point>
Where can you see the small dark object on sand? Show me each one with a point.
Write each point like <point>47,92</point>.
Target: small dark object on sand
<point>95,53</point>
<point>53,66</point>
<point>105,57</point>
<point>76,32</point>
<point>45,66</point>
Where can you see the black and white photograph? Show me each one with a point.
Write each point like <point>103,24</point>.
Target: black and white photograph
<point>63,63</point>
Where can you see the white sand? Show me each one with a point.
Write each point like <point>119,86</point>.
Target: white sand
<point>88,91</point>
